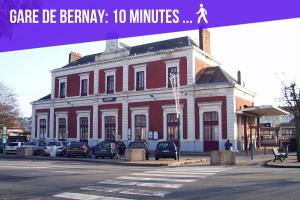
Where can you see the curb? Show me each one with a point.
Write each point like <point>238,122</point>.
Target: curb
<point>108,162</point>
<point>268,164</point>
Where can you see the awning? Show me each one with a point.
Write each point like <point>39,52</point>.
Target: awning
<point>264,110</point>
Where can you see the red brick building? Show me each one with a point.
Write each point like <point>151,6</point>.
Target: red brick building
<point>124,93</point>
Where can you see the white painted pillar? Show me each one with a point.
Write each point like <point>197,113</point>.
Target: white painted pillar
<point>53,86</point>
<point>95,121</point>
<point>190,118</point>
<point>124,121</point>
<point>125,77</point>
<point>96,82</point>
<point>51,122</point>
<point>33,128</point>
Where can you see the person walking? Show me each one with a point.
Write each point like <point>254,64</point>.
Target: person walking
<point>228,145</point>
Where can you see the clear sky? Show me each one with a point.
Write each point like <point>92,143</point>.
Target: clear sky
<point>266,54</point>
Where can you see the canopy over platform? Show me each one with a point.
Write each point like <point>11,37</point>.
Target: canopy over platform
<point>264,110</point>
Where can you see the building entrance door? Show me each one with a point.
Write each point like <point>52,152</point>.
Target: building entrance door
<point>210,131</point>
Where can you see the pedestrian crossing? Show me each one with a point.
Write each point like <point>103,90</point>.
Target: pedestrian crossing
<point>139,185</point>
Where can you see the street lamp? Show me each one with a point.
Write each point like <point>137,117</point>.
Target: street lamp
<point>174,80</point>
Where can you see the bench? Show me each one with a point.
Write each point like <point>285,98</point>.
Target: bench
<point>278,155</point>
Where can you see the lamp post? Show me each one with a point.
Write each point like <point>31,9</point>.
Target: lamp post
<point>174,80</point>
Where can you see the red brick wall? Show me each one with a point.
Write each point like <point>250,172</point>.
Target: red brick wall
<point>48,121</point>
<point>199,65</point>
<point>224,114</point>
<point>156,74</point>
<point>101,81</point>
<point>110,106</point>
<point>119,79</point>
<point>156,115</point>
<point>73,85</point>
<point>241,103</point>
<point>72,119</point>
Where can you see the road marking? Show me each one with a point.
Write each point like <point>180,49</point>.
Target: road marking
<point>185,173</point>
<point>79,196</point>
<point>126,191</point>
<point>170,175</point>
<point>67,172</point>
<point>134,183</point>
<point>157,179</point>
<point>23,167</point>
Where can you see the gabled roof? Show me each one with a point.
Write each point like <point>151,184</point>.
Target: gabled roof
<point>211,75</point>
<point>47,97</point>
<point>140,49</point>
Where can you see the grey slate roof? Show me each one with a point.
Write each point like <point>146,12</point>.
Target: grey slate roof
<point>140,49</point>
<point>211,75</point>
<point>47,97</point>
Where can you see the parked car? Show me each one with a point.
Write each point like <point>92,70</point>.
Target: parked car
<point>59,147</point>
<point>140,145</point>
<point>38,146</point>
<point>1,147</point>
<point>105,149</point>
<point>75,148</point>
<point>12,147</point>
<point>166,150</point>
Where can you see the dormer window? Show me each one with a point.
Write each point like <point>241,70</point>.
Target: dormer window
<point>84,84</point>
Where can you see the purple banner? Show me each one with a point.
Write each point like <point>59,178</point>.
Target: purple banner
<point>28,24</point>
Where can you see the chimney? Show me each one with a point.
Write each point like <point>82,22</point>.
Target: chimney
<point>239,77</point>
<point>73,56</point>
<point>204,40</point>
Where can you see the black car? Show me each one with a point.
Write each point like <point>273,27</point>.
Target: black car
<point>121,147</point>
<point>140,145</point>
<point>75,148</point>
<point>105,149</point>
<point>166,150</point>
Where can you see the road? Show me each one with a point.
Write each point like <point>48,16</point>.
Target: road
<point>60,180</point>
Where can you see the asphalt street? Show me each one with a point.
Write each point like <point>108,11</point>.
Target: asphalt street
<point>60,180</point>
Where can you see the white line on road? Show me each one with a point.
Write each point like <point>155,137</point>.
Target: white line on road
<point>126,191</point>
<point>134,183</point>
<point>157,179</point>
<point>182,172</point>
<point>182,175</point>
<point>79,196</point>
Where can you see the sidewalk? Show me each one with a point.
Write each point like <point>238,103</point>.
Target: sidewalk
<point>290,162</point>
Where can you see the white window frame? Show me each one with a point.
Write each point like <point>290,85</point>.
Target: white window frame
<point>169,109</point>
<point>169,64</point>
<point>62,80</point>
<point>210,107</point>
<point>139,111</point>
<point>81,113</point>
<point>60,115</point>
<point>140,68</point>
<point>39,117</point>
<point>108,113</point>
<point>110,72</point>
<point>85,76</point>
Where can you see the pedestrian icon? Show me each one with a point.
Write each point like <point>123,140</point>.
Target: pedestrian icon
<point>203,12</point>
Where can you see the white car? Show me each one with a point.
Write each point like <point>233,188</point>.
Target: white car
<point>12,147</point>
<point>58,145</point>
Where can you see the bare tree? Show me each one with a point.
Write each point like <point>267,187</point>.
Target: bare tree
<point>291,98</point>
<point>8,106</point>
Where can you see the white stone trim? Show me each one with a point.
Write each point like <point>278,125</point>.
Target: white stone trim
<point>96,81</point>
<point>33,128</point>
<point>173,63</point>
<point>40,116</point>
<point>83,113</point>
<point>95,121</point>
<point>139,111</point>
<point>110,72</point>
<point>210,107</point>
<point>190,118</point>
<point>51,122</point>
<point>63,80</point>
<point>105,113</point>
<point>167,109</point>
<point>58,116</point>
<point>140,68</point>
<point>85,76</point>
<point>125,78</point>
